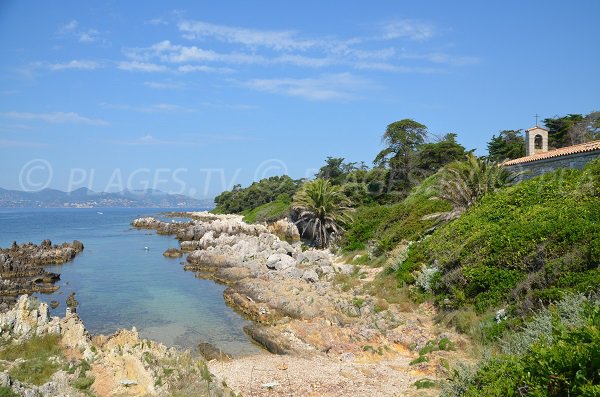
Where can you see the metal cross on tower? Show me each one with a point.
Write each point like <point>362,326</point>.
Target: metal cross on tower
<point>536,119</point>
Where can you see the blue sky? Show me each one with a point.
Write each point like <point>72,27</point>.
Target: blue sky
<point>191,97</point>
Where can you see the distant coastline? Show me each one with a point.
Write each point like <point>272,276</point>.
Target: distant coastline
<point>85,198</point>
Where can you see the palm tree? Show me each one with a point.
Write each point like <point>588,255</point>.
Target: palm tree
<point>322,210</point>
<point>464,182</point>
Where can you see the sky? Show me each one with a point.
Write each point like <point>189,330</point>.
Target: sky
<point>194,97</point>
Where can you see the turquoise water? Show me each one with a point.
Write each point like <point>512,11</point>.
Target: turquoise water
<point>119,284</point>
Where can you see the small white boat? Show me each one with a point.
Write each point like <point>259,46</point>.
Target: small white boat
<point>100,213</point>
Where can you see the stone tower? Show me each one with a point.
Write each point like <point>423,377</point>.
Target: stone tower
<point>536,140</point>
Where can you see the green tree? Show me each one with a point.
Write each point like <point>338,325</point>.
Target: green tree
<point>509,144</point>
<point>402,139</point>
<point>463,183</point>
<point>560,130</point>
<point>322,210</point>
<point>435,155</point>
<point>258,193</point>
<point>336,171</point>
<point>587,129</point>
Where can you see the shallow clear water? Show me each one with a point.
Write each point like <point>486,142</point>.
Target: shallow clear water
<point>119,284</point>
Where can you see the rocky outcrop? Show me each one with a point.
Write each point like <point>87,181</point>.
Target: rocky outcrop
<point>26,319</point>
<point>118,365</point>
<point>285,230</point>
<point>271,281</point>
<point>304,303</point>
<point>22,272</point>
<point>173,253</point>
<point>210,352</point>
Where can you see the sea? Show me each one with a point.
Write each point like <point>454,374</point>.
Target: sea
<point>121,284</point>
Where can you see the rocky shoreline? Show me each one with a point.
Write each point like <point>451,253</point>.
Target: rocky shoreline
<point>76,363</point>
<point>22,272</point>
<point>291,294</point>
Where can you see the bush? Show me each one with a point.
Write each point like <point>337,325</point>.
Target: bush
<point>7,392</point>
<point>556,354</point>
<point>527,244</point>
<point>258,193</point>
<point>40,355</point>
<point>391,224</point>
<point>270,212</point>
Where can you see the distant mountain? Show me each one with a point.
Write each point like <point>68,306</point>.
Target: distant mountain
<point>86,198</point>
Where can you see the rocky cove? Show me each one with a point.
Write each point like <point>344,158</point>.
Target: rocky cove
<point>325,339</point>
<point>320,337</point>
<point>22,271</point>
<point>78,364</point>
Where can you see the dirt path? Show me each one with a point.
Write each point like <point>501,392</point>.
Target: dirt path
<point>318,376</point>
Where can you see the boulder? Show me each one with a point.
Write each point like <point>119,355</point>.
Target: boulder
<point>280,262</point>
<point>310,275</point>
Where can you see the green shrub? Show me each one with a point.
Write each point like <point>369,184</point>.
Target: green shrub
<point>556,354</point>
<point>40,355</point>
<point>517,245</point>
<point>7,392</point>
<point>270,212</point>
<point>391,224</point>
<point>83,382</point>
<point>419,360</point>
<point>424,383</point>
<point>258,193</point>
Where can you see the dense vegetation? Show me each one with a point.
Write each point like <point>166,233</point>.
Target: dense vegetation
<point>322,210</point>
<point>556,354</point>
<point>513,267</point>
<point>258,193</point>
<point>38,358</point>
<point>269,212</point>
<point>523,245</point>
<point>385,226</point>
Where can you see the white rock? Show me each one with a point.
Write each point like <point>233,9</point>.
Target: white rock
<point>311,276</point>
<point>280,261</point>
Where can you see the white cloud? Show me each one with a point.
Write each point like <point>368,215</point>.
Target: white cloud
<point>342,86</point>
<point>202,68</point>
<point>68,27</point>
<point>72,29</point>
<point>158,85</point>
<point>407,29</point>
<point>156,21</point>
<point>55,118</point>
<point>89,36</point>
<point>74,64</point>
<point>136,66</point>
<point>442,58</point>
<point>13,127</point>
<point>278,40</point>
<point>388,67</point>
<point>12,143</point>
<point>267,47</point>
<point>156,108</point>
<point>165,51</point>
<point>149,140</point>
<point>300,60</point>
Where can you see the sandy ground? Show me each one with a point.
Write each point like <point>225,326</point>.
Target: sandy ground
<point>318,376</point>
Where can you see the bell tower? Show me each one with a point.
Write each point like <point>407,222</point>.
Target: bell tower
<point>536,140</point>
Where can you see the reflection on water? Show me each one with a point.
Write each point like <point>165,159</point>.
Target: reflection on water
<point>119,284</point>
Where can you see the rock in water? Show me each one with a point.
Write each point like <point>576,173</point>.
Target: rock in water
<point>173,253</point>
<point>210,352</point>
<point>22,272</point>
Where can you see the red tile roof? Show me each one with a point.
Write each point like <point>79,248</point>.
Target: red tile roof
<point>584,147</point>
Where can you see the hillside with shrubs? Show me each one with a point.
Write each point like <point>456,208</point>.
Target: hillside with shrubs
<point>515,267</point>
